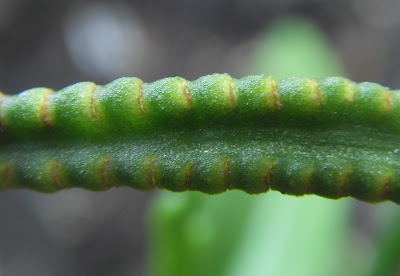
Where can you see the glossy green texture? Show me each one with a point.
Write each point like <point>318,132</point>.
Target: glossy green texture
<point>329,137</point>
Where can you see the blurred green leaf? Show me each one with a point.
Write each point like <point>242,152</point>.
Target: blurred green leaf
<point>196,234</point>
<point>295,47</point>
<point>387,246</point>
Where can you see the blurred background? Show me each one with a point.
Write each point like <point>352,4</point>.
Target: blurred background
<point>57,43</point>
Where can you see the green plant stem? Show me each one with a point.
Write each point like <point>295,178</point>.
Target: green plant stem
<point>329,137</point>
<point>269,234</point>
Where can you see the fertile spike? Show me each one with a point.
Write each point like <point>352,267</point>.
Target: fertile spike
<point>329,137</point>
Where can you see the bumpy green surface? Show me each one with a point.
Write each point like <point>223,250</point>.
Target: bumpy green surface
<point>330,137</point>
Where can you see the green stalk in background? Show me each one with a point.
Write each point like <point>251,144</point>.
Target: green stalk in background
<point>388,250</point>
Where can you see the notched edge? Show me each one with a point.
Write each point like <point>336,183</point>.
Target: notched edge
<point>105,173</point>
<point>45,109</point>
<point>231,93</point>
<point>349,91</point>
<point>140,100</point>
<point>188,176</point>
<point>151,171</point>
<point>276,100</point>
<point>268,176</point>
<point>386,190</point>
<point>388,99</point>
<point>55,175</point>
<point>187,94</point>
<point>317,92</point>
<point>94,112</point>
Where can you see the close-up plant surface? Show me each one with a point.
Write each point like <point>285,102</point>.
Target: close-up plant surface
<point>271,234</point>
<point>293,133</point>
<point>330,136</point>
<point>267,235</point>
<point>298,136</point>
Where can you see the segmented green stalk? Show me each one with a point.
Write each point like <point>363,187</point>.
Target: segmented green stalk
<point>330,137</point>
